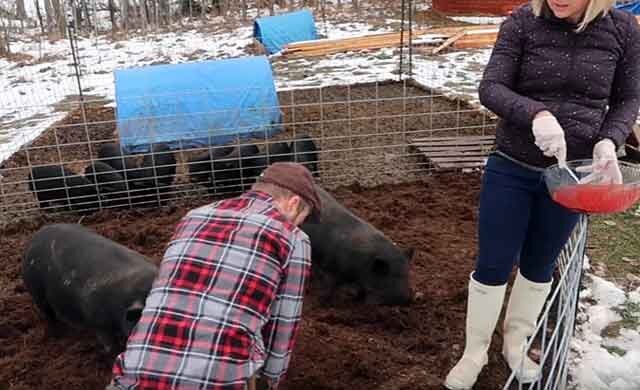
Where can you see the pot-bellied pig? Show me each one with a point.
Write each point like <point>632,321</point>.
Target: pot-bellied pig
<point>112,186</point>
<point>242,165</point>
<point>200,166</point>
<point>163,160</point>
<point>81,279</point>
<point>111,153</point>
<point>55,185</point>
<point>158,165</point>
<point>278,152</point>
<point>305,152</point>
<point>353,251</point>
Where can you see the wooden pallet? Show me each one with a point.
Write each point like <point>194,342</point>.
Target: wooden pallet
<point>455,152</point>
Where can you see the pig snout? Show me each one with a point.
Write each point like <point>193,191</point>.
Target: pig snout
<point>400,297</point>
<point>388,283</point>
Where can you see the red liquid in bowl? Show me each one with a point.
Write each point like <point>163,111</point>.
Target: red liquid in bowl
<point>597,198</point>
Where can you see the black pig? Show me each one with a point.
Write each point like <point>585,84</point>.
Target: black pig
<point>278,152</point>
<point>55,185</point>
<point>305,152</point>
<point>352,251</point>
<point>79,278</point>
<point>111,153</point>
<point>200,166</point>
<point>160,164</point>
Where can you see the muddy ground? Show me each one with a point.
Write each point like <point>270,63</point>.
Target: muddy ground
<point>346,346</point>
<point>363,132</point>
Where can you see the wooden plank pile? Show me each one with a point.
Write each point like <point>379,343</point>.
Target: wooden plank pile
<point>323,47</point>
<point>467,37</point>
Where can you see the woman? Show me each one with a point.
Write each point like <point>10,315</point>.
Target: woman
<point>564,77</point>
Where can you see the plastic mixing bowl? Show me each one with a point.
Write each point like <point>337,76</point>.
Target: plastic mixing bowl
<point>593,198</point>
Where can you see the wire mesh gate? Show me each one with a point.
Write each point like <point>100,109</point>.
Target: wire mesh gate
<point>555,327</point>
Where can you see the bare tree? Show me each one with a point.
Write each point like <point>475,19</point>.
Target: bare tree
<point>61,19</point>
<point>21,13</point>
<point>87,15</point>
<point>76,14</point>
<point>112,15</point>
<point>124,14</point>
<point>39,15</point>
<point>5,48</point>
<point>48,9</point>
<point>142,13</point>
<point>164,11</point>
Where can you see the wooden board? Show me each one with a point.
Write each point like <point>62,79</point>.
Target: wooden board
<point>455,152</point>
<point>376,41</point>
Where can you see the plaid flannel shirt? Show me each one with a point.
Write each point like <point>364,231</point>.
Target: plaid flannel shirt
<point>226,302</point>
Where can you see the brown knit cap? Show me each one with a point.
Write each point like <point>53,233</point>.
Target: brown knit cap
<point>295,178</point>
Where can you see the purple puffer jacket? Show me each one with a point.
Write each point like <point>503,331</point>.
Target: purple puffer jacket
<point>590,81</point>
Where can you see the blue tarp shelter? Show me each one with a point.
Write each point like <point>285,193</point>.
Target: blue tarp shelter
<point>633,7</point>
<point>276,31</point>
<point>196,104</point>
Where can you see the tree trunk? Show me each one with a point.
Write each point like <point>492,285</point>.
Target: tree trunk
<point>124,14</point>
<point>20,11</point>
<point>164,11</point>
<point>48,9</point>
<point>61,19</point>
<point>87,15</point>
<point>76,18</point>
<point>244,9</point>
<point>4,39</point>
<point>142,13</point>
<point>112,16</point>
<point>39,14</point>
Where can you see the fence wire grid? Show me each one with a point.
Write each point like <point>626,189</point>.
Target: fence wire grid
<point>379,131</point>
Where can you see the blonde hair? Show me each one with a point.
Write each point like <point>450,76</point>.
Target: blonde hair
<point>594,8</point>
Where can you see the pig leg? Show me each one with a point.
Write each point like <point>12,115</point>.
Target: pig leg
<point>54,328</point>
<point>329,287</point>
<point>108,342</point>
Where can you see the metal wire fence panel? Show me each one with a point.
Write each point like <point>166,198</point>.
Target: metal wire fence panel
<point>555,327</point>
<point>370,133</point>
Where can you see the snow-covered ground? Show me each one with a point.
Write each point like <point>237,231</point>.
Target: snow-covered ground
<point>606,349</point>
<point>29,91</point>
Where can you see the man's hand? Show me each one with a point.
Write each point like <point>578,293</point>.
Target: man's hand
<point>262,383</point>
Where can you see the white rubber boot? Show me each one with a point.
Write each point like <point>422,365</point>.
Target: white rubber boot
<point>525,303</point>
<point>484,305</point>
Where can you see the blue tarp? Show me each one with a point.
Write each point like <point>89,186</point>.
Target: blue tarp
<point>276,31</point>
<point>196,104</point>
<point>633,7</point>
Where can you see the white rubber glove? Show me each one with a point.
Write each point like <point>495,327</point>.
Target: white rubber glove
<point>549,137</point>
<point>605,168</point>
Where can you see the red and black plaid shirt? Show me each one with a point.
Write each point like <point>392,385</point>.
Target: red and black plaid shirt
<point>226,302</point>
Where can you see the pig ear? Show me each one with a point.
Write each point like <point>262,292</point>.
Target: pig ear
<point>409,252</point>
<point>134,311</point>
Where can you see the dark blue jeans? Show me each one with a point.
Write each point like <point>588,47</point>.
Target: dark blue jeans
<point>519,223</point>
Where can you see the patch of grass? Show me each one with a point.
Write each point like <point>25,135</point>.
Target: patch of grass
<point>615,241</point>
<point>630,313</point>
<point>615,350</point>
